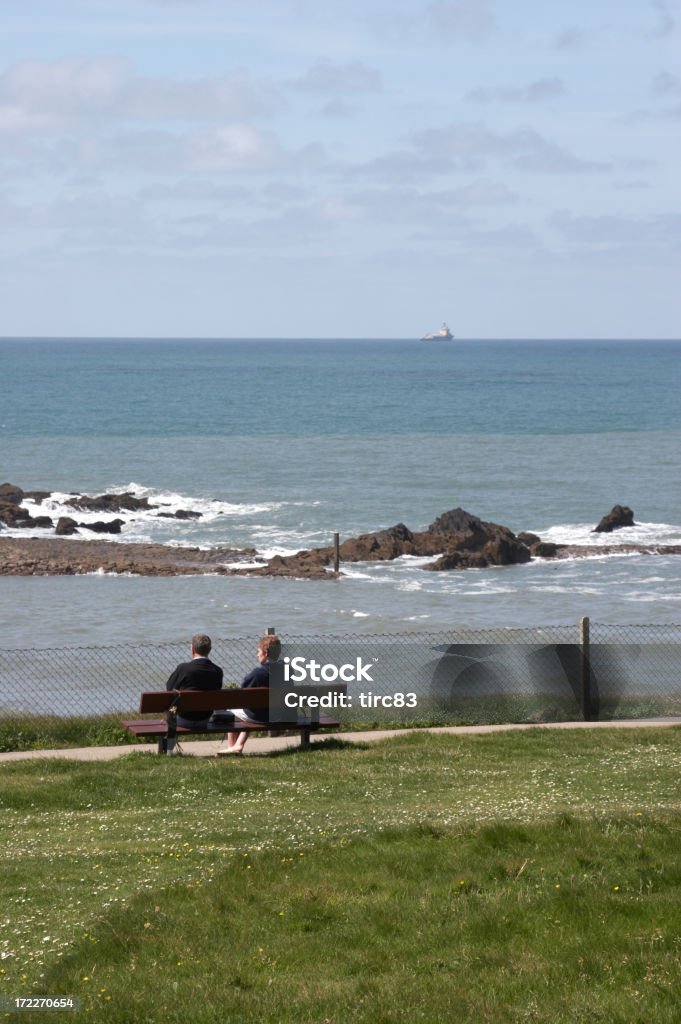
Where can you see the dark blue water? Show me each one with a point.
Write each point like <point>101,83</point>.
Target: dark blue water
<point>310,389</point>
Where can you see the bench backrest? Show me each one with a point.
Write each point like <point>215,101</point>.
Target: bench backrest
<point>256,698</point>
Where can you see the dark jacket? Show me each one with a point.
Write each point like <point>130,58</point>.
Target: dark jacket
<point>259,676</point>
<point>197,674</point>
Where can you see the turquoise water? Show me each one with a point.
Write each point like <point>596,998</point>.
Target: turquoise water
<point>311,389</point>
<point>280,443</point>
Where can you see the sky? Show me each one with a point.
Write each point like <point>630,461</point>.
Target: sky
<point>364,168</point>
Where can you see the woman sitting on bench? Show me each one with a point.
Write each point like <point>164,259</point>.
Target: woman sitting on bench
<point>269,649</point>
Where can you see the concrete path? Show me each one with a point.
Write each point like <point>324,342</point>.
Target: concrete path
<point>208,748</point>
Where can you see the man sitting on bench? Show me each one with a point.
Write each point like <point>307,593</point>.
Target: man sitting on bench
<point>198,674</point>
<point>269,649</point>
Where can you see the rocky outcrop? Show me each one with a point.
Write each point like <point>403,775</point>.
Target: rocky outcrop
<point>66,527</point>
<point>468,542</point>
<point>112,526</point>
<point>544,549</point>
<point>455,540</point>
<point>59,556</point>
<point>619,517</point>
<point>126,502</point>
<point>462,540</point>
<point>182,513</point>
<point>11,514</point>
<point>35,523</point>
<point>11,494</point>
<point>383,545</point>
<point>528,539</point>
<point>306,565</point>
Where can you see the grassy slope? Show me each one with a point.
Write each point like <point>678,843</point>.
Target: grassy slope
<point>515,877</point>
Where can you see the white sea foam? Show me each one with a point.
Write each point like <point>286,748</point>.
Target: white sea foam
<point>355,574</point>
<point>106,572</point>
<point>209,508</point>
<point>641,533</point>
<point>160,524</point>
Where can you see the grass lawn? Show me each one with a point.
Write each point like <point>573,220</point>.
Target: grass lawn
<point>514,877</point>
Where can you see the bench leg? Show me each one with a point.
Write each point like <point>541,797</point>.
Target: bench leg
<point>305,739</point>
<point>163,745</point>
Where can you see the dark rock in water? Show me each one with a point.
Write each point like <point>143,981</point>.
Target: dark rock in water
<point>11,494</point>
<point>462,541</point>
<point>538,548</point>
<point>113,526</point>
<point>66,526</point>
<point>504,550</point>
<point>38,496</point>
<point>370,547</point>
<point>457,520</point>
<point>458,560</point>
<point>12,514</point>
<point>126,502</point>
<point>544,549</point>
<point>37,523</point>
<point>528,539</point>
<point>182,513</point>
<point>303,565</point>
<point>617,518</point>
<point>458,533</point>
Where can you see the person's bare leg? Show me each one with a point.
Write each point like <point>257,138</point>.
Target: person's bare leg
<point>240,742</point>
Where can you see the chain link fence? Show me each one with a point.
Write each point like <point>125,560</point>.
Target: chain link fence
<point>553,673</point>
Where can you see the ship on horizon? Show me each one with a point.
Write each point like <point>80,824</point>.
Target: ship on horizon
<point>444,334</point>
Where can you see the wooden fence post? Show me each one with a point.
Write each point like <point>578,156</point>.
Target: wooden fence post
<point>585,668</point>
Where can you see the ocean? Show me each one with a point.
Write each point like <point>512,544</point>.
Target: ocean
<point>278,444</point>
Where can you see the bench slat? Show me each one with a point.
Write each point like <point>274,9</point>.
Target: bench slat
<point>256,698</point>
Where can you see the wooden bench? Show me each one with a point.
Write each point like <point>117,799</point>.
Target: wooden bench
<point>253,698</point>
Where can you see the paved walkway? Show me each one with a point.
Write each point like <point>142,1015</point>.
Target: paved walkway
<point>207,748</point>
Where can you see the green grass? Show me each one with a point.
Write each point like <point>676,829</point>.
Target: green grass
<point>53,732</point>
<point>506,878</point>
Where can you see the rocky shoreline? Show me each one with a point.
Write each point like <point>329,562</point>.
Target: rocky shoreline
<point>455,540</point>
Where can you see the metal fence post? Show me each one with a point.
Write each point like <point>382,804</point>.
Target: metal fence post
<point>336,551</point>
<point>271,631</point>
<point>585,668</point>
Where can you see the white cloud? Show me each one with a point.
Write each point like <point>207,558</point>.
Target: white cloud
<point>666,21</point>
<point>667,84</point>
<point>232,147</point>
<point>41,96</point>
<point>466,19</point>
<point>470,147</point>
<point>468,144</point>
<point>327,78</point>
<point>569,39</point>
<point>46,95</point>
<point>617,232</point>
<point>400,205</point>
<point>533,92</point>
